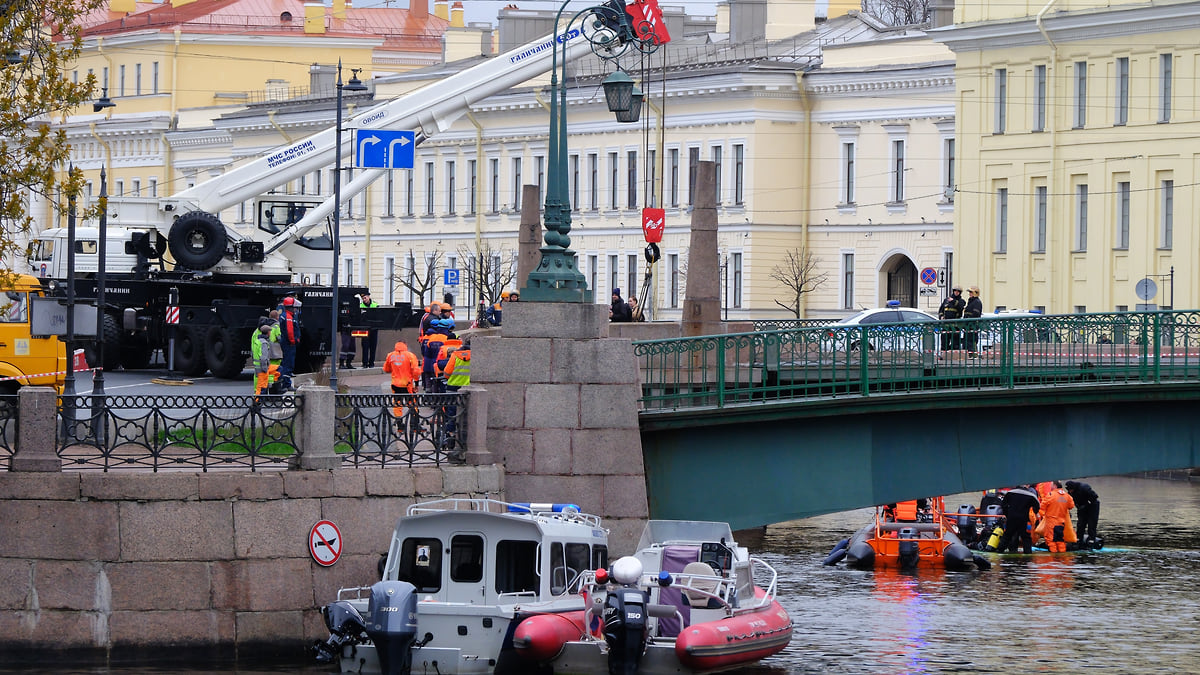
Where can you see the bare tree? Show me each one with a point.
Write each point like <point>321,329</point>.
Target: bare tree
<point>419,283</point>
<point>898,12</point>
<point>489,272</point>
<point>799,274</point>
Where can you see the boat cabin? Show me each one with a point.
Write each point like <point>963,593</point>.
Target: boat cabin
<point>485,552</point>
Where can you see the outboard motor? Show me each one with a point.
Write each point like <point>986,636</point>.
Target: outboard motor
<point>392,625</point>
<point>346,626</point>
<point>910,551</point>
<point>993,513</point>
<point>625,614</point>
<point>965,523</point>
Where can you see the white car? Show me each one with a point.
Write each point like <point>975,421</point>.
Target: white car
<point>893,335</point>
<point>1029,326</point>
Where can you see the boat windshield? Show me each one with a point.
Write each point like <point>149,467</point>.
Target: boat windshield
<point>664,531</point>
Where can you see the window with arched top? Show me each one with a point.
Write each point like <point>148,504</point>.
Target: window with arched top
<point>285,17</point>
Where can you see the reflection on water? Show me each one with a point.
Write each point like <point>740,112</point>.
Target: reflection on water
<point>1131,608</point>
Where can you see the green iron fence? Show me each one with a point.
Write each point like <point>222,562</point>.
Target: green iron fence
<point>835,360</point>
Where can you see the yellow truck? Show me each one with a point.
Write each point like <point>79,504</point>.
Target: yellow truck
<point>27,359</point>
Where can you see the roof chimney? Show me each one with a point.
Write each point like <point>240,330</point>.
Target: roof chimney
<point>339,9</point>
<point>418,9</point>
<point>122,6</point>
<point>441,10</point>
<point>314,16</point>
<point>456,15</point>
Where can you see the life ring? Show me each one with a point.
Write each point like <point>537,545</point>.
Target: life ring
<point>197,240</point>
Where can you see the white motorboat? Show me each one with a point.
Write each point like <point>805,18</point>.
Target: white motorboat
<point>460,575</point>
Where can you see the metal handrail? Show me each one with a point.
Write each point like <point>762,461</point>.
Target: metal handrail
<point>819,363</point>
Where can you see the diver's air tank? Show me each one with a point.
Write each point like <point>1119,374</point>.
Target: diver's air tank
<point>994,540</point>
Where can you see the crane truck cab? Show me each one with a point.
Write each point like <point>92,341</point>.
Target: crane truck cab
<point>27,359</point>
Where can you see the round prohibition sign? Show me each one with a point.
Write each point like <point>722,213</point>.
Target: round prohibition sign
<point>325,543</point>
<point>929,276</point>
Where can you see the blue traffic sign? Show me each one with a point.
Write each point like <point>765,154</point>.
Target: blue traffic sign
<point>384,149</point>
<point>450,277</point>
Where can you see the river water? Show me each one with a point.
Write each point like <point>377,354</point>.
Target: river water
<point>1131,608</point>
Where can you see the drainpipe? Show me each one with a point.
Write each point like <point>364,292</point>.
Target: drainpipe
<point>107,149</point>
<point>660,119</point>
<point>271,119</point>
<point>1055,240</point>
<point>805,173</point>
<point>478,205</point>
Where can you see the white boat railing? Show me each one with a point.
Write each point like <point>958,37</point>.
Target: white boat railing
<point>563,512</point>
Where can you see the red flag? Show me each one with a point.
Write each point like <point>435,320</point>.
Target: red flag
<point>648,21</point>
<point>653,221</point>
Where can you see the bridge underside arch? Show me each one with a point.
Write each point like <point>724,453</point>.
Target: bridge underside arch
<point>755,467</point>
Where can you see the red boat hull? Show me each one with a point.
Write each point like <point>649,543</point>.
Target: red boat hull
<point>737,640</point>
<point>541,637</point>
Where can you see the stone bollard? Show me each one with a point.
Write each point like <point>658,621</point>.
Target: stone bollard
<point>478,452</point>
<point>315,431</point>
<point>37,422</point>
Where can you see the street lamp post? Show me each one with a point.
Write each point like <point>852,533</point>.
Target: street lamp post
<point>98,426</point>
<point>608,31</point>
<point>334,334</point>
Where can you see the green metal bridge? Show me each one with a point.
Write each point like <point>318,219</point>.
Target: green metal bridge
<point>789,422</point>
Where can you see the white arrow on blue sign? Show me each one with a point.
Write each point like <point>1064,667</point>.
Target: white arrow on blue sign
<point>385,149</point>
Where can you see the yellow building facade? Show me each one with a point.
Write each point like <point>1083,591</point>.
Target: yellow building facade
<point>1077,127</point>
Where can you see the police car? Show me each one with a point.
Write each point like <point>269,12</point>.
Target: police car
<point>892,335</point>
<point>1029,325</point>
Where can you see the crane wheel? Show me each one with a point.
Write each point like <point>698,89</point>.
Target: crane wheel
<point>197,240</point>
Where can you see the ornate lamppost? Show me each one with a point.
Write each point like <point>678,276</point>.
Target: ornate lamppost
<point>610,34</point>
<point>334,335</point>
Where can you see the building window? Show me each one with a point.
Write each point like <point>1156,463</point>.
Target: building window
<point>472,184</point>
<point>716,158</point>
<point>539,165</point>
<point>154,78</point>
<point>450,189</point>
<point>429,188</point>
<point>103,77</point>
<point>1081,208</point>
<point>847,281</point>
<point>411,267</point>
<point>631,272</point>
<point>120,188</point>
<point>1001,100</point>
<point>1041,205</point>
<point>614,176</point>
<point>1002,220</point>
<point>897,171</point>
<point>389,278</point>
<point>121,80</point>
<point>948,149</point>
<point>614,274</point>
<point>409,190</point>
<point>1039,98</point>
<point>389,195</point>
<point>153,187</point>
<point>652,200</point>
<point>594,274</point>
<point>693,174</point>
<point>1166,78</point>
<point>1080,94</point>
<point>673,157</point>
<point>494,168</point>
<point>735,264</point>
<point>1122,215</point>
<point>348,270</point>
<point>1167,227</point>
<point>593,180</point>
<point>137,187</point>
<point>516,184</point>
<point>631,179</point>
<point>574,182</point>
<point>137,79</point>
<point>1121,111</point>
<point>739,174</point>
<point>848,151</point>
<point>673,279</point>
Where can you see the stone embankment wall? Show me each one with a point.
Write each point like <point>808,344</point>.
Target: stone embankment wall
<point>220,561</point>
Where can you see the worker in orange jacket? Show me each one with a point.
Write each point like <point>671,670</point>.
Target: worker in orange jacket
<point>402,365</point>
<point>1056,513</point>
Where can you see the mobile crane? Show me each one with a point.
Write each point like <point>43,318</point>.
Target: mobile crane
<point>223,279</point>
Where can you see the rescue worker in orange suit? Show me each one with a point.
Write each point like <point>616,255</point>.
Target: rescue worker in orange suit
<point>1087,505</point>
<point>1056,512</point>
<point>1018,503</point>
<point>402,365</point>
<point>289,338</point>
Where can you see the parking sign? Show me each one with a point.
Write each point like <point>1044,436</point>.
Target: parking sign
<point>450,277</point>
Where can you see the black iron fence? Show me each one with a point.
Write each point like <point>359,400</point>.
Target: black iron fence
<point>406,429</point>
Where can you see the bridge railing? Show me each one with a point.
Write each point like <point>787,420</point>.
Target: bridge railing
<point>861,360</point>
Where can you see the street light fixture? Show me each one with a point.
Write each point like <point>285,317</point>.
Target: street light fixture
<point>103,102</point>
<point>635,107</point>
<point>334,334</point>
<point>609,34</point>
